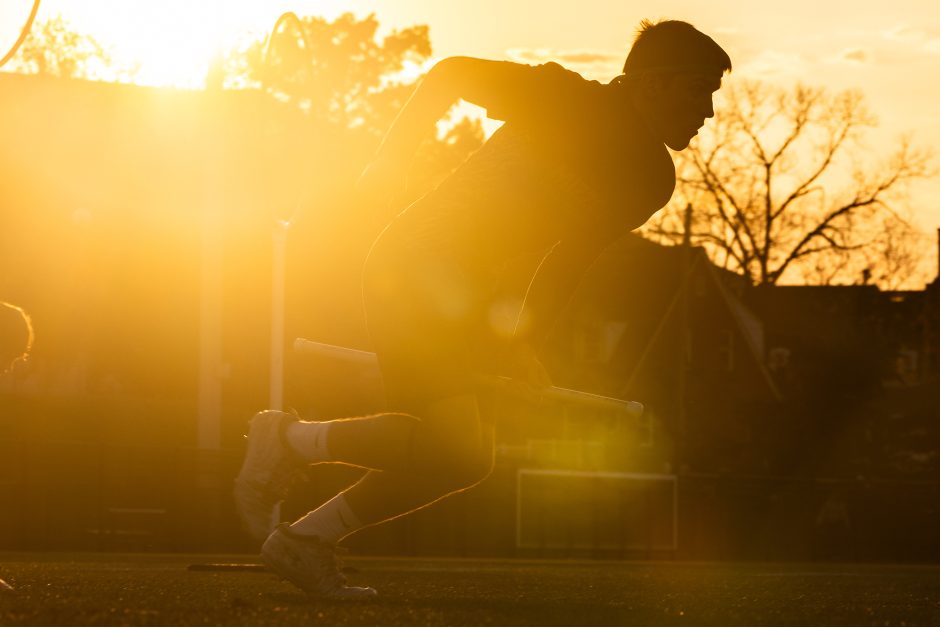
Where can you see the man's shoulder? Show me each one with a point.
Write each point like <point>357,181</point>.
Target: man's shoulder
<point>565,87</point>
<point>551,70</point>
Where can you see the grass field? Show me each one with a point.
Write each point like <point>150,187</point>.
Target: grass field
<point>112,589</point>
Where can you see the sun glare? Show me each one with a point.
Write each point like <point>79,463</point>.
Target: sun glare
<point>167,43</point>
<point>174,42</point>
<point>166,48</point>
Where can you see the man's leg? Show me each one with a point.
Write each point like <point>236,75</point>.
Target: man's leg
<point>279,445</point>
<point>446,452</point>
<point>414,462</point>
<point>449,429</point>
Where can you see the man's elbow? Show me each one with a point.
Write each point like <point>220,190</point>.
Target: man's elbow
<point>450,70</point>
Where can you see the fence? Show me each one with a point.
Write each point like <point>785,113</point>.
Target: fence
<point>65,495</point>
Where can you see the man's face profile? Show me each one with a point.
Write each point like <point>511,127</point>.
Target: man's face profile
<point>685,104</point>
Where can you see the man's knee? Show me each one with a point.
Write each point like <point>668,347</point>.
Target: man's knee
<point>466,470</point>
<point>452,446</point>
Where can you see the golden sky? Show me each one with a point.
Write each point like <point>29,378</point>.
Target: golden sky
<point>891,51</point>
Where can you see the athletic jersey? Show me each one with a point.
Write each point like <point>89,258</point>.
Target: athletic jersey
<point>573,159</point>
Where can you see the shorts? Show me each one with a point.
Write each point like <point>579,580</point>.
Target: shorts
<point>426,316</point>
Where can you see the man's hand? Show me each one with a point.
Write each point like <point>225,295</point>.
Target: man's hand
<point>528,378</point>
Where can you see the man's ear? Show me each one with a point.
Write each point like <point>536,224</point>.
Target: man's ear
<point>652,85</point>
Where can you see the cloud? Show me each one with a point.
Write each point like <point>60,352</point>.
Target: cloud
<point>905,33</point>
<point>932,46</point>
<point>854,56</point>
<point>772,63</point>
<point>899,33</point>
<point>582,57</point>
<point>588,57</point>
<point>927,41</point>
<point>597,64</point>
<point>531,55</point>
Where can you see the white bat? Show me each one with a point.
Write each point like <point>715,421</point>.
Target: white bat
<point>370,360</point>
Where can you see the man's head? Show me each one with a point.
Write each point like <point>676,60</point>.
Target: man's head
<point>16,336</point>
<point>673,70</point>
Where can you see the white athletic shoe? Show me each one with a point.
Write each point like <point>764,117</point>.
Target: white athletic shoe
<point>269,468</point>
<point>310,564</point>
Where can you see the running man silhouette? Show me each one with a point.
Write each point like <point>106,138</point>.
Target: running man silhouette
<point>576,165</point>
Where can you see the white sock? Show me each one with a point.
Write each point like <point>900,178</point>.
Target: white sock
<point>308,439</point>
<point>330,522</point>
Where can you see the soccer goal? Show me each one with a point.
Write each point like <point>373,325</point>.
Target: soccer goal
<point>588,510</point>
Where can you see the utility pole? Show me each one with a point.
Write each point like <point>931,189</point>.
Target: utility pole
<point>685,334</point>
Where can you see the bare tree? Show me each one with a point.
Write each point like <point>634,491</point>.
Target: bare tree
<point>780,188</point>
<point>897,253</point>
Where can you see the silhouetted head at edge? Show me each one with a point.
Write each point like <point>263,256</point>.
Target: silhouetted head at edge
<point>16,336</point>
<point>670,76</point>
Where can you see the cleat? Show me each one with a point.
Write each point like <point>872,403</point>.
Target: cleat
<point>310,564</point>
<point>266,475</point>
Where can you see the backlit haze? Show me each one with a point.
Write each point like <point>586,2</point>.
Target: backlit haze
<point>889,51</point>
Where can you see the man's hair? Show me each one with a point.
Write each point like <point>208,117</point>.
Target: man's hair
<point>671,45</point>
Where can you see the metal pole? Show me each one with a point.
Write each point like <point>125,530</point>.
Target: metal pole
<point>209,429</point>
<point>278,279</point>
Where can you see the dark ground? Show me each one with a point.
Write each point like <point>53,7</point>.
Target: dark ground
<point>118,589</point>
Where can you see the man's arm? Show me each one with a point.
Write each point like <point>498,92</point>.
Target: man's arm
<point>479,81</point>
<point>554,283</point>
<point>501,87</point>
<point>550,290</point>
